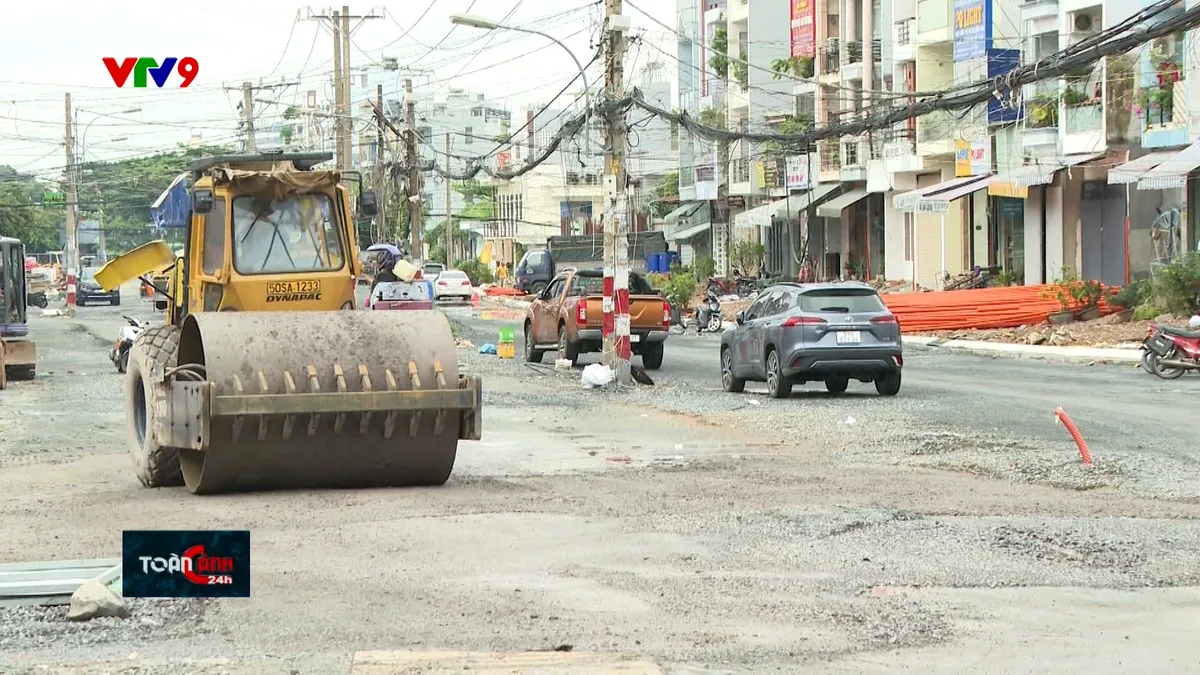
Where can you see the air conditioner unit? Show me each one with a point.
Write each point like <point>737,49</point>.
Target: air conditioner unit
<point>1084,23</point>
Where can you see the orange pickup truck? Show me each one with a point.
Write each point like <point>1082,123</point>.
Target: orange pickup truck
<point>567,318</point>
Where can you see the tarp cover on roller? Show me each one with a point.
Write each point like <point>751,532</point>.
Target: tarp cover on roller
<point>277,184</point>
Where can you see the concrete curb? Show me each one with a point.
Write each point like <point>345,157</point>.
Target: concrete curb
<point>1041,352</point>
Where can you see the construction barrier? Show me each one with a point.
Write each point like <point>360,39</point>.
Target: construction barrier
<point>1001,307</point>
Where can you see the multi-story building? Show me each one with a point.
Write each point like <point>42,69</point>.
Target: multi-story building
<point>758,35</point>
<point>698,226</point>
<point>1161,226</point>
<point>562,195</point>
<point>1052,211</point>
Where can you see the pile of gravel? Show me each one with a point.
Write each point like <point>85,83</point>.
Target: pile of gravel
<point>37,627</point>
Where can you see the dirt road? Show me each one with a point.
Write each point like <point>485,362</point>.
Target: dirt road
<point>590,522</point>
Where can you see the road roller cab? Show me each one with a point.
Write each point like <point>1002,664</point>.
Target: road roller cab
<point>264,376</point>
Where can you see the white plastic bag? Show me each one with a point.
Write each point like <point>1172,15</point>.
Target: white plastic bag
<point>597,375</point>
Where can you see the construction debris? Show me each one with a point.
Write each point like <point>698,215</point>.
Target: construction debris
<point>93,599</point>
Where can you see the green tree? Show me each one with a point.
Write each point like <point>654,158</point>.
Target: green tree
<point>666,194</point>
<point>288,131</point>
<point>719,61</point>
<point>479,198</point>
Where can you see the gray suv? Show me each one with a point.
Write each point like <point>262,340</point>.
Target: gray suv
<point>797,333</point>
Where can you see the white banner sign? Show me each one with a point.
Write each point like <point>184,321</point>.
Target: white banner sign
<point>799,172</point>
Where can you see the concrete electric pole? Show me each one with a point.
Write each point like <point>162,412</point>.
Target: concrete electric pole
<point>616,206</point>
<point>449,213</point>
<point>339,22</point>
<point>72,214</point>
<point>380,180</point>
<point>338,82</point>
<point>248,116</point>
<point>412,162</point>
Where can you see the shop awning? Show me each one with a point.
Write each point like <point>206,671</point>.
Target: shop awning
<point>937,198</point>
<point>798,203</point>
<point>1016,183</point>
<point>682,212</point>
<point>688,232</point>
<point>1173,172</point>
<point>756,217</point>
<point>1131,171</point>
<point>760,216</point>
<point>833,207</point>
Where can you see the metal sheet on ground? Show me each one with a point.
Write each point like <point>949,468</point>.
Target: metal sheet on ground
<point>500,663</point>
<point>52,582</point>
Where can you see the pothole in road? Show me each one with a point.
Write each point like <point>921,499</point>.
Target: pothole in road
<point>1068,547</point>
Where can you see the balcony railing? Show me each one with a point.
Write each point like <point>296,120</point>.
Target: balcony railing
<point>852,52</point>
<point>1158,107</point>
<point>1084,117</point>
<point>741,170</point>
<point>906,138</point>
<point>830,58</point>
<point>904,31</point>
<point>830,155</point>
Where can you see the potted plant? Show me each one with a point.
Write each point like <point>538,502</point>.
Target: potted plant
<point>1005,278</point>
<point>1088,294</point>
<point>1064,292</point>
<point>1128,298</point>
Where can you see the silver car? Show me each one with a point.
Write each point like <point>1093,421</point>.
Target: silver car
<point>799,333</point>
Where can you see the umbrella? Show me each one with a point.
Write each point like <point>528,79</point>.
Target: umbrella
<point>384,247</point>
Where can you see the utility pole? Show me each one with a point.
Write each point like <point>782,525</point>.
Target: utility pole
<point>248,116</point>
<point>344,120</point>
<point>72,215</point>
<point>616,209</point>
<point>339,22</point>
<point>449,214</point>
<point>248,90</point>
<point>412,162</point>
<point>380,173</point>
<point>338,83</point>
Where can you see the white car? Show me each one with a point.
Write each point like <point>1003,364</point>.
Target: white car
<point>453,285</point>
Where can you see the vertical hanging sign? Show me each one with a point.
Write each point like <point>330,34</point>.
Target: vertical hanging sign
<point>804,29</point>
<point>972,28</point>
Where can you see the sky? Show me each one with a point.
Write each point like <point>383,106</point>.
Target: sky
<point>271,41</point>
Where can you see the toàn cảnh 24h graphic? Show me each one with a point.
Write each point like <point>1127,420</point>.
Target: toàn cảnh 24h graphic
<point>187,67</point>
<point>185,563</point>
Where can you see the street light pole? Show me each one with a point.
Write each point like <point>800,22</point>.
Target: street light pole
<point>474,21</point>
<point>82,159</point>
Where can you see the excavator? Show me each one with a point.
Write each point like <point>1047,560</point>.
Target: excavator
<point>265,376</point>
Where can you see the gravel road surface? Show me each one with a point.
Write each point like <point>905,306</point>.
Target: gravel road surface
<point>670,529</point>
<point>990,416</point>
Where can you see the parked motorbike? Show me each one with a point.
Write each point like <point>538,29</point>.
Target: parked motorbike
<point>125,337</point>
<point>708,314</point>
<point>739,285</point>
<point>38,299</point>
<point>1169,352</point>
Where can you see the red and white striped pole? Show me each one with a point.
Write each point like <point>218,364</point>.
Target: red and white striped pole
<point>71,292</point>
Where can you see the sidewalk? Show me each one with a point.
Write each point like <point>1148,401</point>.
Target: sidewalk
<point>1131,355</point>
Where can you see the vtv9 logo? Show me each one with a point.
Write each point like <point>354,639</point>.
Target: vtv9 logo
<point>187,68</point>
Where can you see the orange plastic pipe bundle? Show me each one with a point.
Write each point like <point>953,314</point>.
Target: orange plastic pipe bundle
<point>1001,307</point>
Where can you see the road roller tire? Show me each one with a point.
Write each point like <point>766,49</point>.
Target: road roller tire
<point>155,466</point>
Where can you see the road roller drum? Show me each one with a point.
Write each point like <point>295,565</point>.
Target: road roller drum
<point>273,400</point>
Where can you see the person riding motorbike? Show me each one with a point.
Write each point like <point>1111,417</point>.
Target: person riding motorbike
<point>383,267</point>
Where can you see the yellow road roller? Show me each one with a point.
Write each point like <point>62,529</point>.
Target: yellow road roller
<point>265,376</point>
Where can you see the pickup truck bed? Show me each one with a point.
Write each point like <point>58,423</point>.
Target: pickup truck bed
<point>568,318</point>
